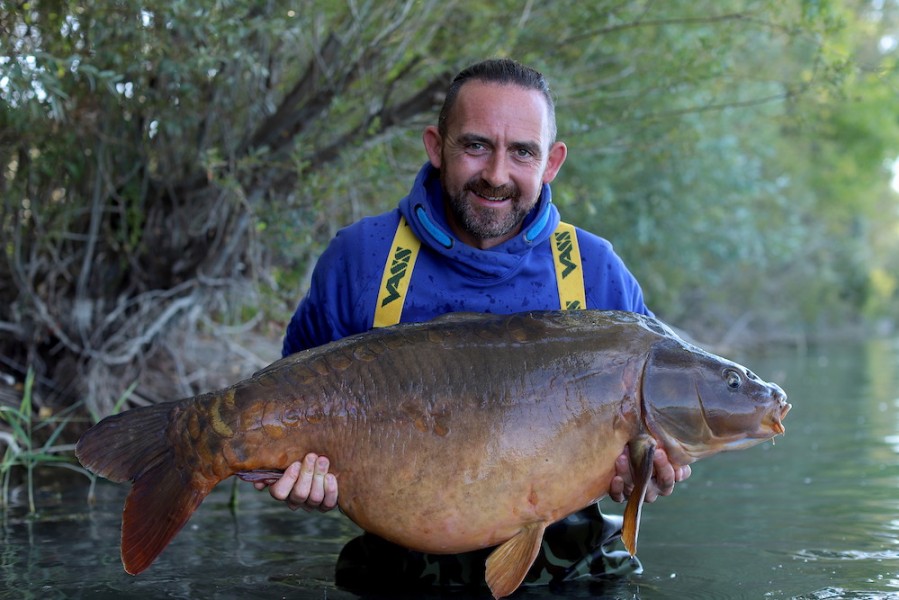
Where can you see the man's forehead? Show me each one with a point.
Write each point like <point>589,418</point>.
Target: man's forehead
<point>491,105</point>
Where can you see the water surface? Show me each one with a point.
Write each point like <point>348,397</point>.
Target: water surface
<point>815,516</point>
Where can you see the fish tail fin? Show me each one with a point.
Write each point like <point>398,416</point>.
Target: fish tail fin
<point>159,505</point>
<point>134,446</point>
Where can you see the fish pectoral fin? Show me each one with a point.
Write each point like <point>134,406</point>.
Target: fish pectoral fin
<point>266,476</point>
<point>642,449</point>
<point>509,563</point>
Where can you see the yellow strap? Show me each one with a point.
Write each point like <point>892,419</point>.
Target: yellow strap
<point>405,246</point>
<point>569,271</point>
<point>397,273</point>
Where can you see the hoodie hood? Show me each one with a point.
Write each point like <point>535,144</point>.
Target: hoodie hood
<point>424,210</point>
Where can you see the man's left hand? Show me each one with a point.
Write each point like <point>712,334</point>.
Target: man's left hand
<point>665,475</point>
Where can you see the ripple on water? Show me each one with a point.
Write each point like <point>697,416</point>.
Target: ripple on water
<point>876,577</point>
<point>842,593</point>
<point>843,555</point>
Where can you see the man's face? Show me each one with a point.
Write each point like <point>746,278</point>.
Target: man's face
<point>494,159</point>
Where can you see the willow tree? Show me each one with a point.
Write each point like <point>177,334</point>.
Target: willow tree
<point>147,145</point>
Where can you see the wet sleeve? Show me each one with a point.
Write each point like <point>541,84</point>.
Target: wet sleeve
<point>305,330</point>
<point>342,292</point>
<point>609,283</point>
<point>317,319</point>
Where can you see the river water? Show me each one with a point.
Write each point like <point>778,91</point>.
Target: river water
<point>815,516</point>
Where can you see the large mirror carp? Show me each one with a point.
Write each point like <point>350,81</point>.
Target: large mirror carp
<point>465,432</point>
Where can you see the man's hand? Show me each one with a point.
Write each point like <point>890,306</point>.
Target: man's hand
<point>306,485</point>
<point>665,475</point>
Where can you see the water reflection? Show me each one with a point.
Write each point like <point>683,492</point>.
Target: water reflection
<point>814,516</point>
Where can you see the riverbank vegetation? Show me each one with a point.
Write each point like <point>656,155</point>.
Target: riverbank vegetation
<point>169,172</point>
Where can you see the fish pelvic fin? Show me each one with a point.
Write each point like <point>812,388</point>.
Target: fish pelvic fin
<point>641,449</point>
<point>510,562</point>
<point>134,445</point>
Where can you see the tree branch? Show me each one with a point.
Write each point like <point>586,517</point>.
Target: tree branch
<point>711,19</point>
<point>306,99</point>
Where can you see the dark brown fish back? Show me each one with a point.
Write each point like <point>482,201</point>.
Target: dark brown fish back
<point>397,358</point>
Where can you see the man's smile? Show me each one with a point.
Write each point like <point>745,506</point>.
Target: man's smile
<point>493,198</point>
<point>492,195</point>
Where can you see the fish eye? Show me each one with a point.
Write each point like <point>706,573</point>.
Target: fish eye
<point>733,379</point>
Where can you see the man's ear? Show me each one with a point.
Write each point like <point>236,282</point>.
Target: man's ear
<point>433,144</point>
<point>557,153</point>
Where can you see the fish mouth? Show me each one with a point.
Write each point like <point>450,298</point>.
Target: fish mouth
<point>776,417</point>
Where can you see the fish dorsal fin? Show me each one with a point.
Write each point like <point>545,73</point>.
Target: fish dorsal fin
<point>642,450</point>
<point>509,563</point>
<point>460,317</point>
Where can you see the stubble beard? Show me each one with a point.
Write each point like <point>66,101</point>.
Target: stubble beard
<point>483,222</point>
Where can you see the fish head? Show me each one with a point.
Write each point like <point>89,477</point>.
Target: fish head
<point>697,404</point>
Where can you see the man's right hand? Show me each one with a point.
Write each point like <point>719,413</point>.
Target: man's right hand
<point>306,485</point>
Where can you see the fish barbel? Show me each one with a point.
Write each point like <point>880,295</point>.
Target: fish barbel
<point>466,432</point>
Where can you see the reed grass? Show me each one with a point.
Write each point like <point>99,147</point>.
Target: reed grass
<point>22,450</point>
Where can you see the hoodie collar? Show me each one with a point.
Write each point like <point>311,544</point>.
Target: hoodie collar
<point>425,212</point>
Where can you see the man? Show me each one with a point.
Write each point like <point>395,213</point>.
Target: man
<point>474,234</point>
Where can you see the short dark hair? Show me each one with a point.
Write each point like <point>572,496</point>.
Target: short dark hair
<point>503,71</point>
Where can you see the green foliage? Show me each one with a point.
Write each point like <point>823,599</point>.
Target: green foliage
<point>695,163</point>
<point>23,451</point>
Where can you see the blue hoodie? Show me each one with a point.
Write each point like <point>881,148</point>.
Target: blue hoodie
<point>449,276</point>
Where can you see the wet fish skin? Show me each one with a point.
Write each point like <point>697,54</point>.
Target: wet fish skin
<point>465,432</point>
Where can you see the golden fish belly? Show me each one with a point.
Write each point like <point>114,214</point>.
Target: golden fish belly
<point>473,488</point>
<point>426,474</point>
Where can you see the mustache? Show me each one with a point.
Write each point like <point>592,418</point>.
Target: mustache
<point>482,188</point>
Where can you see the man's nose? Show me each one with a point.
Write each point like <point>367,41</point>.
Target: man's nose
<point>496,171</point>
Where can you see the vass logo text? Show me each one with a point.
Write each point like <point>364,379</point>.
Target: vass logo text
<point>563,245</point>
<point>398,269</point>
